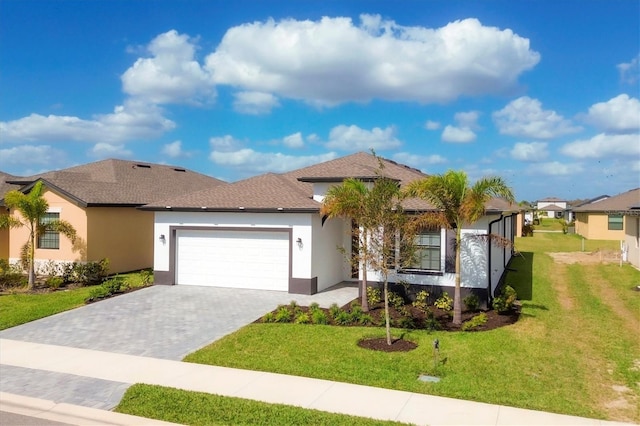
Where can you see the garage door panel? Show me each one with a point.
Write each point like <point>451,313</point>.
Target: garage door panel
<point>242,259</point>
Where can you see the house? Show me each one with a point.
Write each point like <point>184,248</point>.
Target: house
<point>552,207</point>
<point>100,200</point>
<point>613,218</point>
<point>266,232</point>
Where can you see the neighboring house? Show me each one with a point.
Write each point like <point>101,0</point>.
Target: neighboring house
<point>100,200</point>
<point>613,218</point>
<point>552,207</point>
<point>266,232</point>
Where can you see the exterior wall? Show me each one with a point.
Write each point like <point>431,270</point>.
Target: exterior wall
<point>632,239</point>
<point>594,226</point>
<point>300,224</point>
<point>67,252</point>
<point>4,242</point>
<point>328,263</point>
<point>124,235</point>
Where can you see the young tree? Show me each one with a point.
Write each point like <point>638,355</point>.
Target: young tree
<point>458,203</point>
<point>378,214</point>
<point>32,207</point>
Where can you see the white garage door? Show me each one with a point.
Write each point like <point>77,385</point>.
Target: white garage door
<point>238,259</point>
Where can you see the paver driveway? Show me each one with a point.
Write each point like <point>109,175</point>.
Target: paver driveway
<point>163,321</point>
<point>160,322</point>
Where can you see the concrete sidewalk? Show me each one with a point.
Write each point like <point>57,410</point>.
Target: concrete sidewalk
<point>304,392</point>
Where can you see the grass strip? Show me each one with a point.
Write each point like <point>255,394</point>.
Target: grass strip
<point>197,408</point>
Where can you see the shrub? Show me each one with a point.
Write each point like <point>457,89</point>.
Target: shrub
<point>89,273</point>
<point>283,314</point>
<point>366,319</point>
<point>356,312</point>
<point>97,293</point>
<point>334,310</point>
<point>444,302</point>
<point>146,276</point>
<point>11,275</point>
<point>504,302</point>
<point>314,306</point>
<point>269,317</point>
<point>406,322</point>
<point>54,282</point>
<point>374,295</point>
<point>471,302</point>
<point>421,301</point>
<point>342,318</point>
<point>396,300</point>
<point>431,323</point>
<point>319,317</point>
<point>475,322</point>
<point>302,318</point>
<point>527,230</point>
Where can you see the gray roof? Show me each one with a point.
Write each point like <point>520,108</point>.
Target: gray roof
<point>553,208</point>
<point>119,182</point>
<point>293,191</point>
<point>551,199</point>
<point>624,202</point>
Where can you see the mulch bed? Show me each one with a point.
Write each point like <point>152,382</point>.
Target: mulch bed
<point>380,344</point>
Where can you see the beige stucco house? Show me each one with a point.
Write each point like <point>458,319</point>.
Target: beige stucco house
<point>101,201</point>
<point>613,218</point>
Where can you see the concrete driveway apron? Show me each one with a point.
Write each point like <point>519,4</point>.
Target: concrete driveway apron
<point>165,322</point>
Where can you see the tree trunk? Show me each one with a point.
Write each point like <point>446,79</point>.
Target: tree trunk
<point>457,306</point>
<point>363,289</point>
<point>386,311</point>
<point>32,255</point>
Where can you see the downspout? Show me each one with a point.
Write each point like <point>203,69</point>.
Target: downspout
<point>489,295</point>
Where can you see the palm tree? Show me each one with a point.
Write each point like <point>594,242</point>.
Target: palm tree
<point>458,204</point>
<point>32,207</point>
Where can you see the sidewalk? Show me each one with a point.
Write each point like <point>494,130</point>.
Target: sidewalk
<point>304,392</point>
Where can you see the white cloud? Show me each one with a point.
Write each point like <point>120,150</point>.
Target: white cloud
<point>604,145</point>
<point>226,143</point>
<point>353,138</point>
<point>618,115</point>
<point>458,134</point>
<point>174,150</point>
<point>332,60</point>
<point>259,162</point>
<point>524,117</point>
<point>133,120</point>
<point>30,155</point>
<point>418,161</point>
<point>467,119</point>
<point>105,150</point>
<point>431,125</point>
<point>294,141</point>
<point>630,71</point>
<point>555,168</point>
<point>255,103</point>
<point>171,74</point>
<point>534,151</point>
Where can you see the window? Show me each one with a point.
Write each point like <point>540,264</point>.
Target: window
<point>50,239</point>
<point>427,251</point>
<point>615,222</point>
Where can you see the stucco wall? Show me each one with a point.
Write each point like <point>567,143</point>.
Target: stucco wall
<point>595,226</point>
<point>67,251</point>
<point>328,262</point>
<point>632,239</point>
<point>4,242</point>
<point>124,235</point>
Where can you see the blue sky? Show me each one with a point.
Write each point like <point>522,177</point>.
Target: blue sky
<point>542,93</point>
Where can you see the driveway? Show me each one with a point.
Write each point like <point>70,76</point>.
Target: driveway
<point>165,322</point>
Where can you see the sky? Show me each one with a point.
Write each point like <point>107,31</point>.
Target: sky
<point>544,94</point>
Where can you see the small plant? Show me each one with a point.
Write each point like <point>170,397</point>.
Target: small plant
<point>334,310</point>
<point>366,319</point>
<point>343,318</point>
<point>11,275</point>
<point>283,314</point>
<point>396,300</point>
<point>421,301</point>
<point>97,293</point>
<point>319,317</point>
<point>269,317</point>
<point>444,302</point>
<point>314,306</point>
<point>475,322</point>
<point>471,302</point>
<point>54,282</point>
<point>504,302</point>
<point>374,295</point>
<point>146,276</point>
<point>302,318</point>
<point>527,230</point>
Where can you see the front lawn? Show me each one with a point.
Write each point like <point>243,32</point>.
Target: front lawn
<point>574,350</point>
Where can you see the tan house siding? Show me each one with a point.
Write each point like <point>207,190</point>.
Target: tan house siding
<point>4,243</point>
<point>632,226</point>
<point>595,226</point>
<point>122,234</point>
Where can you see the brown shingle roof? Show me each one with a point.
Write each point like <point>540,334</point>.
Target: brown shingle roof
<point>624,202</point>
<point>5,186</point>
<point>122,182</point>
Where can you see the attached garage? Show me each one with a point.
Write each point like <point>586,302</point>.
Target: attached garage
<point>254,259</point>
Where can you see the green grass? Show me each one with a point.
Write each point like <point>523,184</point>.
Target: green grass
<point>553,359</point>
<point>196,408</point>
<point>22,307</point>
<point>550,224</point>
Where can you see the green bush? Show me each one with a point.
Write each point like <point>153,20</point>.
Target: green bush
<point>343,318</point>
<point>269,317</point>
<point>334,310</point>
<point>54,282</point>
<point>406,323</point>
<point>283,314</point>
<point>356,312</point>
<point>471,302</point>
<point>504,302</point>
<point>89,273</point>
<point>97,293</point>
<point>374,295</point>
<point>11,275</point>
<point>146,277</point>
<point>475,322</point>
<point>444,302</point>
<point>319,317</point>
<point>302,318</point>
<point>421,301</point>
<point>396,300</point>
<point>366,319</point>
